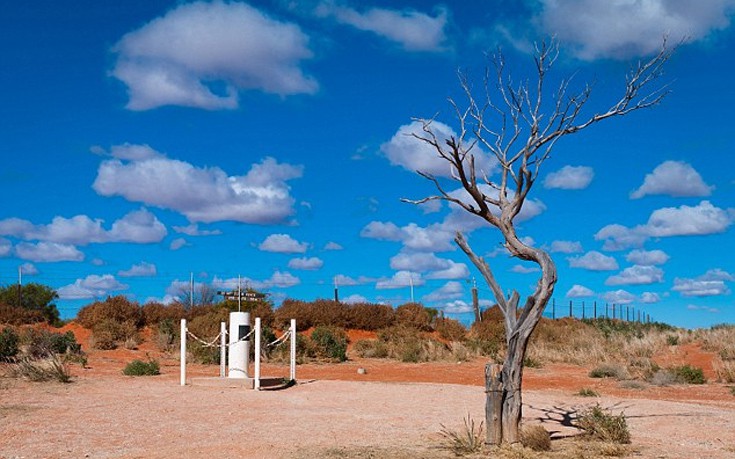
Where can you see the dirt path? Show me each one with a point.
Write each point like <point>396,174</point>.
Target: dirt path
<point>118,417</point>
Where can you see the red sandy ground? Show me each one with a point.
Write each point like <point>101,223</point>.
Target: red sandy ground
<point>392,405</point>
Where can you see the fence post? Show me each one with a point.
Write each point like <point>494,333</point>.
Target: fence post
<point>553,308</point>
<point>493,403</point>
<point>182,359</point>
<point>571,314</point>
<point>256,381</point>
<point>594,309</point>
<point>583,317</point>
<point>613,310</point>
<point>222,348</point>
<point>293,350</point>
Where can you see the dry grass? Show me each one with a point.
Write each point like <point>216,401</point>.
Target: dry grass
<point>468,439</point>
<point>536,438</point>
<point>724,370</point>
<point>51,368</point>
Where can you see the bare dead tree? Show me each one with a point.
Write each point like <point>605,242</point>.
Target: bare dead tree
<point>519,126</point>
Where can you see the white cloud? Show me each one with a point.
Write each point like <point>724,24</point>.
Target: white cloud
<point>142,269</point>
<point>92,286</point>
<point>593,261</point>
<point>566,247</point>
<point>625,28</point>
<point>650,297</point>
<point>131,152</point>
<point>711,283</point>
<point>637,275</point>
<point>343,280</point>
<point>686,220</point>
<point>139,226</point>
<point>694,307</point>
<point>354,298</point>
<point>28,269</point>
<point>579,291</point>
<point>450,291</point>
<point>457,307</point>
<point>5,247</point>
<point>673,178</point>
<point>281,280</point>
<point>333,246</point>
<point>418,262</point>
<point>619,297</point>
<point>305,263</point>
<point>647,258</point>
<point>401,279</point>
<point>282,243</point>
<point>433,238</point>
<point>48,252</point>
<point>521,269</point>
<point>412,154</point>
<point>179,58</point>
<point>194,230</point>
<point>207,195</point>
<point>413,30</point>
<point>702,219</point>
<point>452,271</point>
<point>178,243</point>
<point>570,178</point>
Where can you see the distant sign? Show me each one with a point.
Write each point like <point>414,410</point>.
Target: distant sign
<point>247,296</point>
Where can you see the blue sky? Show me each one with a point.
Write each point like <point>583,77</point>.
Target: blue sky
<point>146,140</point>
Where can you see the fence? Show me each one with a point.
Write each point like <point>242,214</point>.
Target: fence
<point>595,310</point>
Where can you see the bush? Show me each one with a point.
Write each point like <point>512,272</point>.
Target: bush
<point>662,378</point>
<point>465,441</point>
<point>371,348</point>
<point>109,334</point>
<point>313,314</point>
<point>414,315</point>
<point>371,317</point>
<point>166,334</point>
<point>330,343</point>
<point>607,370</point>
<point>13,315</point>
<point>687,374</point>
<point>141,368</point>
<point>410,345</point>
<point>599,424</point>
<point>116,309</point>
<point>41,370</point>
<point>536,438</point>
<point>587,392</point>
<point>725,371</point>
<point>155,313</point>
<point>450,329</point>
<point>8,345</point>
<point>44,343</point>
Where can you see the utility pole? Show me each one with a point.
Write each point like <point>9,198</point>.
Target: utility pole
<point>191,290</point>
<point>20,286</point>
<point>239,294</point>
<point>475,301</point>
<point>336,290</point>
<point>410,281</point>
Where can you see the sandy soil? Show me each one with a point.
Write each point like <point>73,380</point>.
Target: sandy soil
<point>394,410</point>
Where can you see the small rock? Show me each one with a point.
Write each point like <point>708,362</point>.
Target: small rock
<point>361,371</point>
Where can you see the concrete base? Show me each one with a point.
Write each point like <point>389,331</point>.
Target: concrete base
<point>247,383</point>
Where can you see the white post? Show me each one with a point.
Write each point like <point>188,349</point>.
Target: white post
<point>247,347</point>
<point>222,348</point>
<point>237,368</point>
<point>183,352</point>
<point>293,350</point>
<point>256,381</point>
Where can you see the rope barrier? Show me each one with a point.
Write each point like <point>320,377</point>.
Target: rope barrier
<point>214,341</point>
<point>280,340</point>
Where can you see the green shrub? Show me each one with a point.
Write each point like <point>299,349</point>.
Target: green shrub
<point>141,368</point>
<point>599,424</point>
<point>44,343</point>
<point>8,344</point>
<point>330,342</point>
<point>587,392</point>
<point>687,374</point>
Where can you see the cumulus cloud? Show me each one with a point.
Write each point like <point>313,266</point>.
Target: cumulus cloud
<point>593,261</point>
<point>308,264</point>
<point>282,243</point>
<point>623,28</point>
<point>177,243</point>
<point>48,252</point>
<point>194,230</point>
<point>699,220</point>
<point>673,178</point>
<point>637,275</point>
<point>354,298</point>
<point>341,279</point>
<point>92,286</point>
<point>450,291</point>
<point>566,247</point>
<point>579,291</point>
<point>279,279</point>
<point>453,270</point>
<point>182,57</point>
<point>412,154</point>
<point>139,226</point>
<point>400,279</point>
<point>647,258</point>
<point>570,178</point>
<point>142,269</point>
<point>333,246</point>
<point>433,238</point>
<point>5,247</point>
<point>619,297</point>
<point>28,269</point>
<point>457,307</point>
<point>650,297</point>
<point>711,283</point>
<point>521,269</point>
<point>418,262</point>
<point>262,196</point>
<point>412,30</point>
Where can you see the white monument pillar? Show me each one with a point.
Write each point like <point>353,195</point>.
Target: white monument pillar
<point>239,327</point>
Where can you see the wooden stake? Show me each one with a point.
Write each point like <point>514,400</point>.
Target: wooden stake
<point>494,403</point>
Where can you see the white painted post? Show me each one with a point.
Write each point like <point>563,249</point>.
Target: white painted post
<point>183,352</point>
<point>256,381</point>
<point>222,348</point>
<point>237,368</point>
<point>293,350</point>
<point>247,347</point>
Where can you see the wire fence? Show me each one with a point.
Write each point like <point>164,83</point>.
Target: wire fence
<point>596,310</point>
